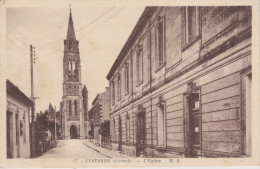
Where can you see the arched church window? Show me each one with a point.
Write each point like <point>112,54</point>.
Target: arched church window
<point>70,112</point>
<point>75,89</point>
<point>76,107</point>
<point>70,68</point>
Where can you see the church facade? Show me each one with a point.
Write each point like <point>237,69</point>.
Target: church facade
<point>74,100</point>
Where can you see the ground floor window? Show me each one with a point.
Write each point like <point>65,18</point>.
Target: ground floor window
<point>161,125</point>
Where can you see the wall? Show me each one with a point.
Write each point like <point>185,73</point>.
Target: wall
<point>16,107</point>
<point>214,62</point>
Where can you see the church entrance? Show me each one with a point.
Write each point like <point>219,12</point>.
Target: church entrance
<point>73,132</point>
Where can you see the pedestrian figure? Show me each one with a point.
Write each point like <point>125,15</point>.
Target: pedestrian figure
<point>89,135</point>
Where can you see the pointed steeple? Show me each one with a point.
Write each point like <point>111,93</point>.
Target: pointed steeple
<point>71,33</point>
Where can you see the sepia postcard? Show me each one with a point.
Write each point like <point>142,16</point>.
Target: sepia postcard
<point>129,83</point>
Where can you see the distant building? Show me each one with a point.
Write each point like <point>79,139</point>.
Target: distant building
<point>181,85</point>
<point>17,122</point>
<point>100,108</point>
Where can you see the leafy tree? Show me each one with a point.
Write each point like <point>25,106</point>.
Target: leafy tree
<point>105,128</point>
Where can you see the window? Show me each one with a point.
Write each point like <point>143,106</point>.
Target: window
<point>160,41</point>
<point>75,107</point>
<point>139,58</point>
<point>126,78</point>
<point>161,125</point>
<point>70,113</point>
<point>149,55</point>
<point>119,87</point>
<point>191,14</point>
<point>113,92</point>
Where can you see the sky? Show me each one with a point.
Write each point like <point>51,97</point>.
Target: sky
<point>101,31</point>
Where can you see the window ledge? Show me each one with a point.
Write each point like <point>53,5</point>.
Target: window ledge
<point>160,67</point>
<point>189,44</point>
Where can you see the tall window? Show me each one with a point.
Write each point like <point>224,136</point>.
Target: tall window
<point>70,112</point>
<point>76,107</point>
<point>191,23</point>
<point>113,92</point>
<point>160,41</point>
<point>126,78</point>
<point>149,54</point>
<point>139,58</point>
<point>119,87</point>
<point>161,125</point>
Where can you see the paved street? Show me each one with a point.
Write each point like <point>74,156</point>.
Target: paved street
<point>72,149</point>
<point>75,148</point>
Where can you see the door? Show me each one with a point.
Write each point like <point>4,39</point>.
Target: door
<point>120,134</point>
<point>73,132</point>
<point>140,139</point>
<point>9,136</point>
<point>194,125</point>
<point>17,135</point>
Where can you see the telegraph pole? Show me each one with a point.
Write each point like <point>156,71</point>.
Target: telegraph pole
<point>32,61</point>
<point>55,131</point>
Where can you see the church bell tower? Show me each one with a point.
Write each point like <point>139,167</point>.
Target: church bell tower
<point>72,100</point>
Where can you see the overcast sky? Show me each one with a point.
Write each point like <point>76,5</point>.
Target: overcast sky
<point>101,31</point>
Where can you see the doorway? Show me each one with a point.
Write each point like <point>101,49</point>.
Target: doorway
<point>193,126</point>
<point>73,132</point>
<point>17,135</point>
<point>140,138</point>
<point>120,134</point>
<point>9,134</point>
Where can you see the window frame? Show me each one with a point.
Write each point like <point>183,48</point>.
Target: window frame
<point>162,105</point>
<point>139,65</point>
<point>186,42</point>
<point>160,64</point>
<point>126,78</point>
<point>119,86</point>
<point>113,92</point>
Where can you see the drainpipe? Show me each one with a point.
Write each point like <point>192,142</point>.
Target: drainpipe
<point>150,73</point>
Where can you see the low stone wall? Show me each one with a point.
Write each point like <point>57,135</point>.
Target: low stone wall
<point>151,153</point>
<point>129,150</point>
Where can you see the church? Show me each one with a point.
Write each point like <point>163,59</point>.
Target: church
<point>74,105</point>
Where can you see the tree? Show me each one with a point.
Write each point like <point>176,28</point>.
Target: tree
<point>105,128</point>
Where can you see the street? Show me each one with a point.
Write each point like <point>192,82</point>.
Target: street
<point>73,148</point>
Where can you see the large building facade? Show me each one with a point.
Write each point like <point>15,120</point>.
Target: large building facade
<point>17,122</point>
<point>73,121</point>
<point>181,85</point>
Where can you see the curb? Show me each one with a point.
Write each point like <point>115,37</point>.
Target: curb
<point>97,150</point>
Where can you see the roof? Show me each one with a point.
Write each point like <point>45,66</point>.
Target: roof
<point>71,33</point>
<point>14,91</point>
<point>137,29</point>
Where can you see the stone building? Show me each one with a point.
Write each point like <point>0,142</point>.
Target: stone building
<point>100,111</point>
<point>17,122</point>
<point>181,85</point>
<point>74,99</point>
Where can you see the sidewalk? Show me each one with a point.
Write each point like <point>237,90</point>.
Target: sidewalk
<point>106,152</point>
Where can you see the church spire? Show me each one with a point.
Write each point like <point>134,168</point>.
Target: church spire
<point>71,33</point>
